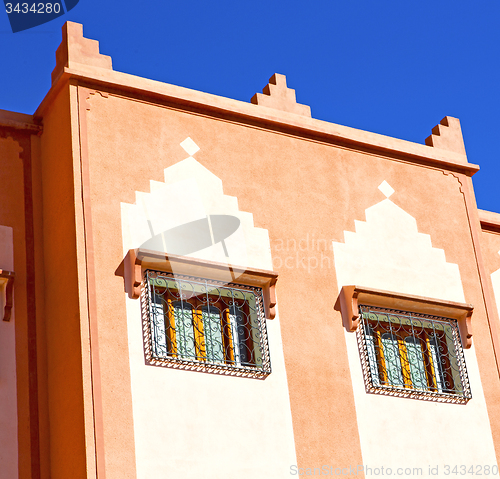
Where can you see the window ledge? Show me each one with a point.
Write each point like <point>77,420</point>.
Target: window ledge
<point>350,296</point>
<point>138,260</point>
<point>7,281</point>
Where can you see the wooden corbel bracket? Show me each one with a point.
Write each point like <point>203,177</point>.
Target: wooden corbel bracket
<point>352,296</point>
<point>270,298</point>
<point>347,304</point>
<point>7,280</point>
<point>132,274</point>
<point>138,260</point>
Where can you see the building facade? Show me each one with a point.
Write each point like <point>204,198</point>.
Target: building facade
<point>194,286</point>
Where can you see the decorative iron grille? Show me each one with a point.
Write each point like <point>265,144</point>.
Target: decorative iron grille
<point>194,323</point>
<point>412,355</point>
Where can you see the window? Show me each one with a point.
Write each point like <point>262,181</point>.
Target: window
<point>412,354</point>
<point>411,346</point>
<point>194,323</point>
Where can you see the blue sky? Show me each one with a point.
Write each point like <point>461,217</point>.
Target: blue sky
<point>391,67</point>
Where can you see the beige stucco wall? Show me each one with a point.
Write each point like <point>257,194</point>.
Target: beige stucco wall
<point>190,424</point>
<point>495,279</point>
<point>491,241</point>
<point>8,388</point>
<point>387,251</point>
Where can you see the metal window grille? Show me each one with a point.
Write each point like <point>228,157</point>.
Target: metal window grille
<point>412,355</point>
<point>194,323</point>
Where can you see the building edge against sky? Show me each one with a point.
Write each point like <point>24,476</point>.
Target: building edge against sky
<point>185,280</point>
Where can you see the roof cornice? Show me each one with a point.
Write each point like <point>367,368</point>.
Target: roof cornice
<point>79,62</point>
<point>18,121</point>
<point>256,115</point>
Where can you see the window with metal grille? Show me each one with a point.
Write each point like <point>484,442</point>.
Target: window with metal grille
<point>410,354</point>
<point>194,323</point>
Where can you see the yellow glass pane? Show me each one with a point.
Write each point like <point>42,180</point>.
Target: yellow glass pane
<point>170,329</point>
<point>405,364</point>
<point>382,367</point>
<point>431,378</point>
<point>228,338</point>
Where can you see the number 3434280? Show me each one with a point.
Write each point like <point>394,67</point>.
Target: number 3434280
<point>33,7</point>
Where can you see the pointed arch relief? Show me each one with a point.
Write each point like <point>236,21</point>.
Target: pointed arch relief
<point>386,251</point>
<point>189,215</point>
<point>390,262</point>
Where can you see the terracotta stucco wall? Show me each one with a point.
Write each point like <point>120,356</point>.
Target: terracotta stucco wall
<point>12,219</point>
<point>299,190</point>
<point>64,330</point>
<point>21,210</point>
<point>490,247</point>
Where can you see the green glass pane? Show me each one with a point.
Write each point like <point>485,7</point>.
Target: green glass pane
<point>437,362</point>
<point>213,334</point>
<point>158,336</point>
<point>184,331</point>
<point>392,360</point>
<point>416,361</point>
<point>372,356</point>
